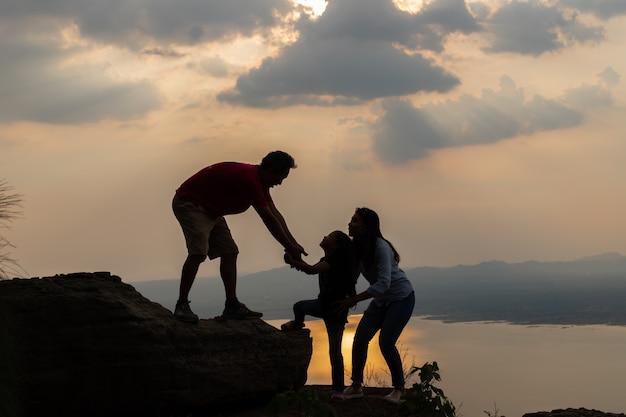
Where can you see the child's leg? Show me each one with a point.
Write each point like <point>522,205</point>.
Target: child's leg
<point>306,307</point>
<point>335,336</point>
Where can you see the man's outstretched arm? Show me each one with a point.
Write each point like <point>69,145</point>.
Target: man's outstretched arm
<point>275,223</point>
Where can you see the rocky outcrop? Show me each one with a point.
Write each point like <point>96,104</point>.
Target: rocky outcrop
<point>90,345</point>
<point>573,412</point>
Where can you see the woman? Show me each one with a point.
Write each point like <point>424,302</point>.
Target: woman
<point>391,307</point>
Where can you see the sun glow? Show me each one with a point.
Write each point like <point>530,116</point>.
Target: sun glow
<point>411,6</point>
<point>317,6</point>
<point>376,371</point>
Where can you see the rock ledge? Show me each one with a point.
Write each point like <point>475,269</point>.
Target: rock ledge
<point>88,344</point>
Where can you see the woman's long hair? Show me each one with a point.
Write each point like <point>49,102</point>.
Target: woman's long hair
<point>365,249</point>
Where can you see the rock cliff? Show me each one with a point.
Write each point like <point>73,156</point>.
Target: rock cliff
<point>87,344</point>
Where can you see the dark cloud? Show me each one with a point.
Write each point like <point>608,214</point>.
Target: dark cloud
<point>381,20</point>
<point>405,132</point>
<point>131,22</point>
<point>604,9</point>
<point>534,28</point>
<point>38,85</point>
<point>353,53</point>
<point>337,72</point>
<point>440,18</point>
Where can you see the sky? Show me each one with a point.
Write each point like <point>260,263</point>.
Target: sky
<point>478,130</point>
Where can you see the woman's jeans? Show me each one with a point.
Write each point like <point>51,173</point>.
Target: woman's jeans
<point>334,328</point>
<point>390,320</point>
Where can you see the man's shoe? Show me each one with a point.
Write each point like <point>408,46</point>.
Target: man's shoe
<point>183,312</point>
<point>239,311</point>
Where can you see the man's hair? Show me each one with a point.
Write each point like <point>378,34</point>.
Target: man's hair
<point>278,161</point>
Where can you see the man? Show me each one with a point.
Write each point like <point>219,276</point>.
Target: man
<point>200,205</point>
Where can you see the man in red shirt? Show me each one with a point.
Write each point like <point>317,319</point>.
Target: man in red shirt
<point>200,205</point>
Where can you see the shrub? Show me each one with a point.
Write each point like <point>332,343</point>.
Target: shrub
<point>425,399</point>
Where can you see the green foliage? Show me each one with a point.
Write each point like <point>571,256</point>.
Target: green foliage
<point>305,401</point>
<point>425,399</point>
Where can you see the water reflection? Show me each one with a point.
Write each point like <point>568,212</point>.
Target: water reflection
<point>376,371</point>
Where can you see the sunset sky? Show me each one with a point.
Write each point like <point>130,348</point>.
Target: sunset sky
<point>478,130</point>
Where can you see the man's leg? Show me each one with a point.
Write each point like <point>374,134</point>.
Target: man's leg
<point>182,311</point>
<point>196,225</point>
<point>228,272</point>
<point>233,309</point>
<point>188,274</point>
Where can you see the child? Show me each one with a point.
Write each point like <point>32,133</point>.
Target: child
<point>336,280</point>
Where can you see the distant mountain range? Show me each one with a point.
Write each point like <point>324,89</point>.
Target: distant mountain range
<point>589,290</point>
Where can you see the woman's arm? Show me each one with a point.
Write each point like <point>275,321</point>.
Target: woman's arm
<point>344,305</point>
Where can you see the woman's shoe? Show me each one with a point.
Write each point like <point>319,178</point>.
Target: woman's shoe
<point>353,392</point>
<point>395,396</point>
<point>337,396</point>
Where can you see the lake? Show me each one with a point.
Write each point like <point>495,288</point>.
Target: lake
<point>497,367</point>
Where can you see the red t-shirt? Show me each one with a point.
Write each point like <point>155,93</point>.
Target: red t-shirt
<point>226,188</point>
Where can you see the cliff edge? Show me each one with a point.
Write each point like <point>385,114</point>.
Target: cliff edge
<point>88,344</point>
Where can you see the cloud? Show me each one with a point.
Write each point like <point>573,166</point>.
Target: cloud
<point>134,23</point>
<point>438,19</point>
<point>604,9</point>
<point>609,76</point>
<point>404,132</point>
<point>589,96</point>
<point>358,50</point>
<point>162,52</point>
<point>37,84</point>
<point>534,28</point>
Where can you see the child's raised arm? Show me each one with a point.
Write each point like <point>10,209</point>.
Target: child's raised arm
<point>300,265</point>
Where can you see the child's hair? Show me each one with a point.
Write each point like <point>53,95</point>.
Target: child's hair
<point>344,245</point>
<point>345,252</point>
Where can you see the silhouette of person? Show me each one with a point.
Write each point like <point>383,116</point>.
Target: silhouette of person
<point>201,203</point>
<point>391,307</point>
<point>336,275</point>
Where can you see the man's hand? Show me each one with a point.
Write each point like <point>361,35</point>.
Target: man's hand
<point>296,252</point>
<point>301,250</point>
<point>288,259</point>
